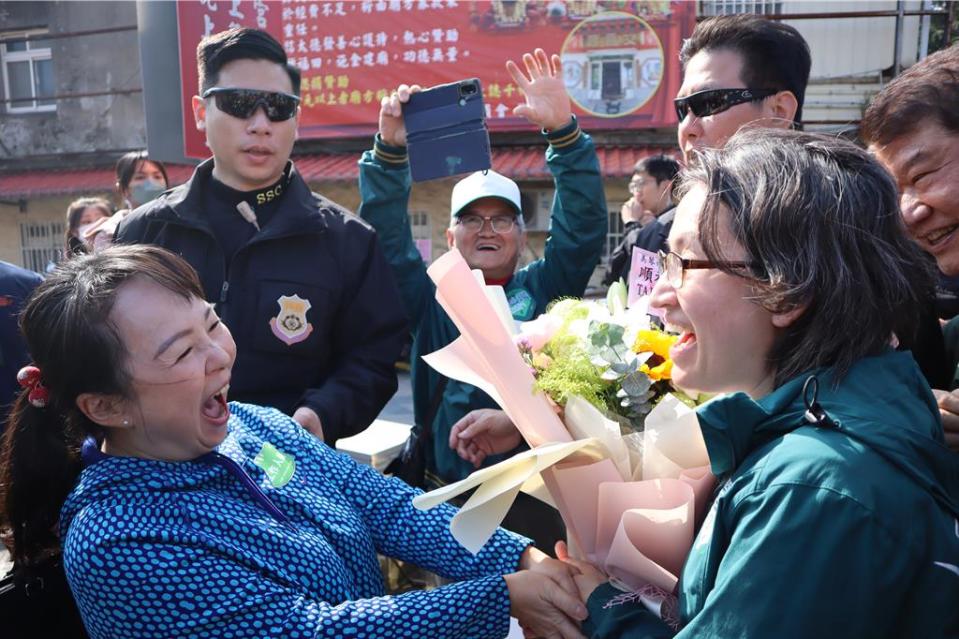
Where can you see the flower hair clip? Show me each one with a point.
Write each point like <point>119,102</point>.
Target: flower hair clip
<point>29,377</point>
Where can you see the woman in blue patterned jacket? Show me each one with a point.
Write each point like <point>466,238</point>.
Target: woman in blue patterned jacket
<point>188,516</point>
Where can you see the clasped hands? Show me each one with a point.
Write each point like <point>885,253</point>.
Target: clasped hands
<point>547,596</point>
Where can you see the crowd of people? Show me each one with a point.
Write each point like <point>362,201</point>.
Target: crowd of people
<point>186,369</point>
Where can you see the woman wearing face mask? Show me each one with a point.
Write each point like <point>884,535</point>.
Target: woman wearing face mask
<point>183,515</point>
<point>789,279</point>
<point>82,215</point>
<point>139,180</point>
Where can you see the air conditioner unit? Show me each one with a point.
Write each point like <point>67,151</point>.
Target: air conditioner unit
<point>536,209</point>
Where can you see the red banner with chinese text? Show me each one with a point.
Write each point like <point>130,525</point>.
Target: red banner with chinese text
<point>620,58</point>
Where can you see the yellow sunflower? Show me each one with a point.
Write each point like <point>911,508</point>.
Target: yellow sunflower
<point>657,343</point>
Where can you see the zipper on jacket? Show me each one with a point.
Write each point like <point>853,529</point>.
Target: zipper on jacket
<point>223,291</point>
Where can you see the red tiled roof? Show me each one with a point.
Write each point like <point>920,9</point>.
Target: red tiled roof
<point>521,163</point>
<point>45,182</point>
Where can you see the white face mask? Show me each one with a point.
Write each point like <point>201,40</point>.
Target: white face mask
<point>82,230</point>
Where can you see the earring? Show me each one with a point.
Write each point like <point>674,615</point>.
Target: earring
<point>126,422</point>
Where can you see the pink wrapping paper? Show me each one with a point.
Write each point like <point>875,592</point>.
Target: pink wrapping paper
<point>656,517</point>
<point>464,300</point>
<point>579,485</point>
<point>639,532</point>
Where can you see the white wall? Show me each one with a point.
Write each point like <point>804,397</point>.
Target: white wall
<point>854,46</point>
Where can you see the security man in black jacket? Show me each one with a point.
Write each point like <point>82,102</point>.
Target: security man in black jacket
<point>300,281</point>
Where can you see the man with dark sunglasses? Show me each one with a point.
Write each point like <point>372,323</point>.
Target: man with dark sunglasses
<point>300,282</point>
<point>738,70</point>
<point>748,70</point>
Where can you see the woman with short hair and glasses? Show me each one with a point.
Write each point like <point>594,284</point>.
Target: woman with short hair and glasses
<point>789,280</point>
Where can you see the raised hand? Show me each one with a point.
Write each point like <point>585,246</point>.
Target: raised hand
<point>633,210</point>
<point>543,608</point>
<point>483,432</point>
<point>547,102</point>
<point>392,128</point>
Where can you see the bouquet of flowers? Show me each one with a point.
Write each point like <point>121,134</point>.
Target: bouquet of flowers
<point>630,499</point>
<point>611,356</point>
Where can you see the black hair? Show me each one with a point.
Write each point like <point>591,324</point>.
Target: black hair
<point>928,92</point>
<point>663,168</point>
<point>240,43</point>
<point>775,56</point>
<point>67,327</point>
<point>127,168</point>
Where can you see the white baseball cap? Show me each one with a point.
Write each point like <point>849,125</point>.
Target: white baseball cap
<point>484,184</point>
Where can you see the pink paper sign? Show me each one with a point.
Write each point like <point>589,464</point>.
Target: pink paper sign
<point>643,273</point>
<point>425,247</point>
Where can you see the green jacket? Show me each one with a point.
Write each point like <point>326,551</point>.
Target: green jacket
<point>575,243</point>
<point>844,530</point>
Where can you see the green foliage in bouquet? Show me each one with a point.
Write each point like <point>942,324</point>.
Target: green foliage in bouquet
<point>590,356</point>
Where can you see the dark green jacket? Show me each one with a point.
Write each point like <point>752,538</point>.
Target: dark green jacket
<point>847,530</point>
<point>575,243</point>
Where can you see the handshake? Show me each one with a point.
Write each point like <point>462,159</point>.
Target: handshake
<point>548,596</point>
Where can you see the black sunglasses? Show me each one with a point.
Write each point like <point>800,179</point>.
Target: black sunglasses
<point>712,101</point>
<point>243,103</point>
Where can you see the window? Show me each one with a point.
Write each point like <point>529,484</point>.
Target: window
<point>41,244</point>
<point>27,73</point>
<point>422,237</point>
<point>730,7</point>
<point>614,230</point>
<point>595,75</point>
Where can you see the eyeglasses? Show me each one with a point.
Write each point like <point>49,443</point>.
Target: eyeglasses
<point>474,223</point>
<point>713,101</point>
<point>635,186</point>
<point>674,267</point>
<point>243,103</point>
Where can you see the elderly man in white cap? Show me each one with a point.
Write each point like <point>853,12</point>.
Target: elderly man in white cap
<point>486,226</point>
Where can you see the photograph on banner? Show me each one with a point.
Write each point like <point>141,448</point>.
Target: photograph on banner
<point>612,63</point>
<point>352,54</point>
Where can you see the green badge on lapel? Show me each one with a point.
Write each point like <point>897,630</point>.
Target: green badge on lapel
<point>521,304</point>
<point>277,465</point>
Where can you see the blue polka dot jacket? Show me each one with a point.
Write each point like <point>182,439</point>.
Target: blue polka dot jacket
<point>219,547</point>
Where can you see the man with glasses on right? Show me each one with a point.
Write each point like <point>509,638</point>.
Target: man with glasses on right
<point>912,127</point>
